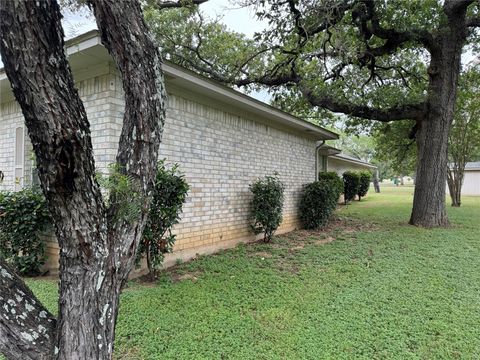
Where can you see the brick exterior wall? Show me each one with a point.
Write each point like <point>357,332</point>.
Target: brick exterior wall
<point>99,97</point>
<point>219,149</point>
<point>221,154</point>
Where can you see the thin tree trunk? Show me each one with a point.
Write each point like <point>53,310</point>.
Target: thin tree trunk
<point>97,248</point>
<point>151,270</point>
<point>455,182</point>
<point>432,136</point>
<point>376,183</point>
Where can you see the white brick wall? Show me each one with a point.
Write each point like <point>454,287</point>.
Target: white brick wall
<point>99,96</point>
<point>220,152</point>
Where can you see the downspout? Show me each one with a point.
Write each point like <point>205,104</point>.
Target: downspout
<point>316,158</point>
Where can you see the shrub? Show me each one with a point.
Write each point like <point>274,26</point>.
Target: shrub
<point>23,217</point>
<point>318,202</point>
<point>119,191</point>
<point>351,181</point>
<point>364,185</point>
<point>169,194</point>
<point>337,182</point>
<point>267,205</point>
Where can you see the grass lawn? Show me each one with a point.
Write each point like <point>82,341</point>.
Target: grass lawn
<point>368,287</point>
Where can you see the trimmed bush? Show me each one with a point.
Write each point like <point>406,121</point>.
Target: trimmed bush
<point>351,182</point>
<point>169,194</point>
<point>23,217</point>
<point>318,201</point>
<point>364,185</point>
<point>337,182</point>
<point>267,205</point>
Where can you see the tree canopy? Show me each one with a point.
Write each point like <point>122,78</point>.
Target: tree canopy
<point>370,60</point>
<point>363,58</point>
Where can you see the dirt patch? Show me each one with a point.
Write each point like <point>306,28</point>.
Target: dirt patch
<point>193,276</point>
<point>295,248</point>
<point>261,254</point>
<point>129,354</point>
<point>327,240</point>
<point>287,266</point>
<point>348,225</point>
<point>174,274</point>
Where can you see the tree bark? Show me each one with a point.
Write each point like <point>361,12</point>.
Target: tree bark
<point>455,182</point>
<point>97,248</point>
<point>27,329</point>
<point>432,135</point>
<point>376,183</point>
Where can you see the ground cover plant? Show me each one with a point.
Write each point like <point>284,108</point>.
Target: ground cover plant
<point>367,287</point>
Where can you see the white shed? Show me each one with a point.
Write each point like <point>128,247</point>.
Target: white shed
<point>471,182</point>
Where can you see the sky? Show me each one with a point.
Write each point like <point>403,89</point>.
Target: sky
<point>238,19</point>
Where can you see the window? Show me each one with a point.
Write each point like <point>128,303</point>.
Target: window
<point>323,164</point>
<point>19,158</point>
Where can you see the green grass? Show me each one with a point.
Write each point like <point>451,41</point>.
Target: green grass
<point>381,290</point>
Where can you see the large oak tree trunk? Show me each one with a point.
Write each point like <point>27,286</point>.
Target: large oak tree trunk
<point>97,247</point>
<point>432,135</point>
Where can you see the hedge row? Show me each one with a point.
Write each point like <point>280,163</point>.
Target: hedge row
<point>356,183</point>
<point>317,203</point>
<point>23,215</point>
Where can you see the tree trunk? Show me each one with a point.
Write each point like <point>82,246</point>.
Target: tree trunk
<point>455,182</point>
<point>151,270</point>
<point>27,329</point>
<point>97,246</point>
<point>432,135</point>
<point>376,183</point>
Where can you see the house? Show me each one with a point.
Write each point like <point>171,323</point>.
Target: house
<point>222,140</point>
<point>332,159</point>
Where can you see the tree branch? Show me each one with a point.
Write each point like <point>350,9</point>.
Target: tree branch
<point>402,112</point>
<point>21,313</point>
<point>177,4</point>
<point>473,22</point>
<point>137,57</point>
<point>394,38</point>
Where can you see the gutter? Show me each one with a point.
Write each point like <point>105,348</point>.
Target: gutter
<point>319,145</point>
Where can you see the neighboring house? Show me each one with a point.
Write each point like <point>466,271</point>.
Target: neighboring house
<point>471,180</point>
<point>332,159</point>
<point>223,140</point>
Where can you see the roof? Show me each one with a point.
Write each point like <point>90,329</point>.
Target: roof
<point>351,159</point>
<point>470,166</point>
<point>86,50</point>
<point>327,150</point>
